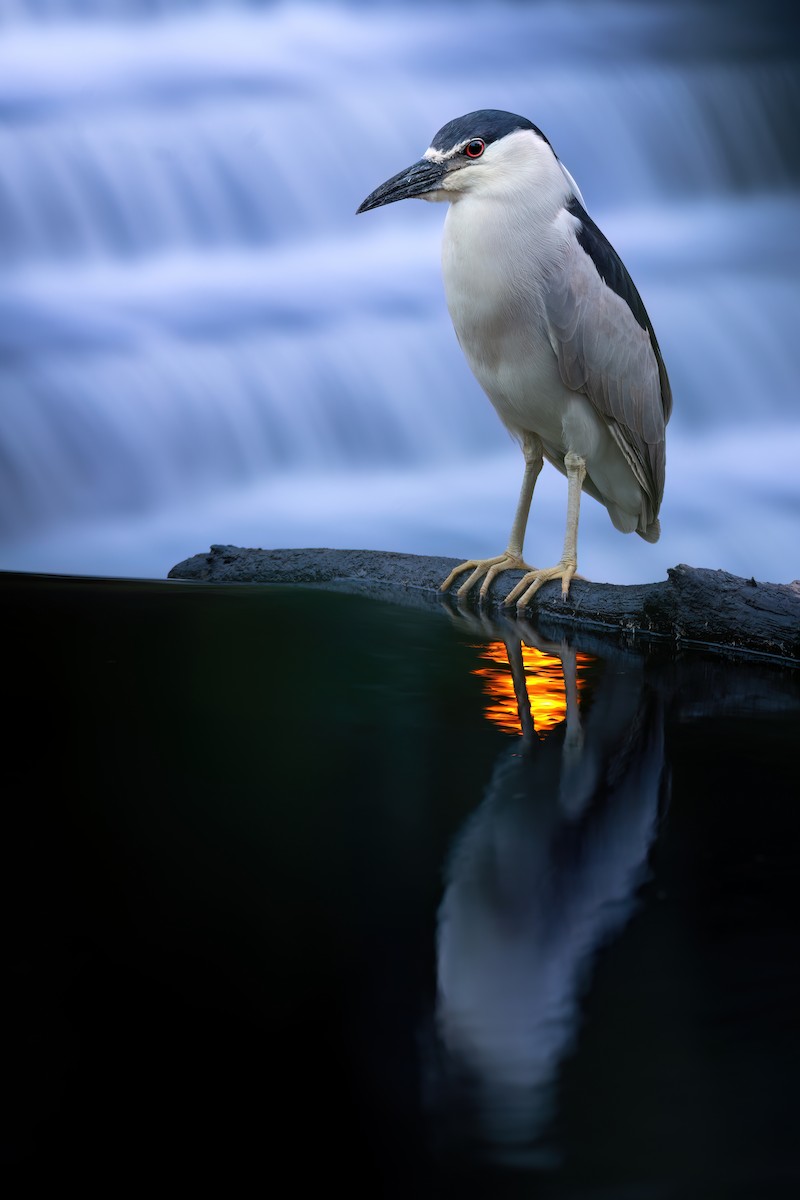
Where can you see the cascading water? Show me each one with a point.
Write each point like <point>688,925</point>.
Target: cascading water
<point>200,342</point>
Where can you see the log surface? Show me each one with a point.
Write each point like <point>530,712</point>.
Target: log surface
<point>692,606</point>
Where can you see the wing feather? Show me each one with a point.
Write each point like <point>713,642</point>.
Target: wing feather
<point>607,349</point>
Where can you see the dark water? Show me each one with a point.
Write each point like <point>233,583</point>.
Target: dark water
<point>284,896</point>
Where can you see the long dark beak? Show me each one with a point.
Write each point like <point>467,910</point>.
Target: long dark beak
<point>424,176</point>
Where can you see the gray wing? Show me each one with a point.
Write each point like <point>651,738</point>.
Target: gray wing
<point>607,349</point>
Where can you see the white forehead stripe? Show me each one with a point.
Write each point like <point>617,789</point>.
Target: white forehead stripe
<point>433,155</point>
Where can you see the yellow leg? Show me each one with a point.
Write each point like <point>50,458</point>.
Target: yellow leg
<point>511,558</point>
<point>529,585</point>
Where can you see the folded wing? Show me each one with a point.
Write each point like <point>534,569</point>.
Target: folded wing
<point>607,349</point>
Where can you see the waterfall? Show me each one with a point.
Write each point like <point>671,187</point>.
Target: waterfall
<point>190,309</point>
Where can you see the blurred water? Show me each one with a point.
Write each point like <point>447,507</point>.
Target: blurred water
<point>200,342</point>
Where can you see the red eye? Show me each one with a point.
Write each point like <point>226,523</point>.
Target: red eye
<point>475,148</point>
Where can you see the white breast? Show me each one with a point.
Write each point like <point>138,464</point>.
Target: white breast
<point>492,277</point>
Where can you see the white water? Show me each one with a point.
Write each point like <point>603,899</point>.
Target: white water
<point>200,342</point>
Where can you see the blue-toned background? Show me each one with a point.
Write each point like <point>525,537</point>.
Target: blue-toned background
<point>200,342</point>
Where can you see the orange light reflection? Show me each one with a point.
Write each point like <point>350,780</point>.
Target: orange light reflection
<point>544,681</point>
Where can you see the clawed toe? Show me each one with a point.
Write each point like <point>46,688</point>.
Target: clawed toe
<point>523,592</point>
<point>486,569</point>
<point>529,585</point>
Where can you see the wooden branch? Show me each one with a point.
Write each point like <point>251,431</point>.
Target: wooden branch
<point>693,606</point>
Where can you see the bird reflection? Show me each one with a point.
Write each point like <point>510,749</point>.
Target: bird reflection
<point>540,876</point>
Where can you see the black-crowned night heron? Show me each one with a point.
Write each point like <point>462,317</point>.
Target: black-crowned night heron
<point>552,326</point>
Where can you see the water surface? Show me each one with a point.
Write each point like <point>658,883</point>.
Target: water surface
<point>310,882</point>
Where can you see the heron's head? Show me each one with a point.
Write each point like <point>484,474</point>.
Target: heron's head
<point>484,152</point>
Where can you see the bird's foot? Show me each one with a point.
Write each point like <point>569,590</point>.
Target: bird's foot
<point>487,569</point>
<point>528,586</point>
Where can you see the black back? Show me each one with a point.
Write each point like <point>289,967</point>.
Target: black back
<point>612,271</point>
<point>610,266</point>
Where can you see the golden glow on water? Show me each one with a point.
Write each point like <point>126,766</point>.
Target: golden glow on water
<point>544,682</point>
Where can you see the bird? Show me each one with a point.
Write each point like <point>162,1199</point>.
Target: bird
<point>552,327</point>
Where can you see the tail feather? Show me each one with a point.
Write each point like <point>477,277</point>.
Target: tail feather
<point>652,533</point>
